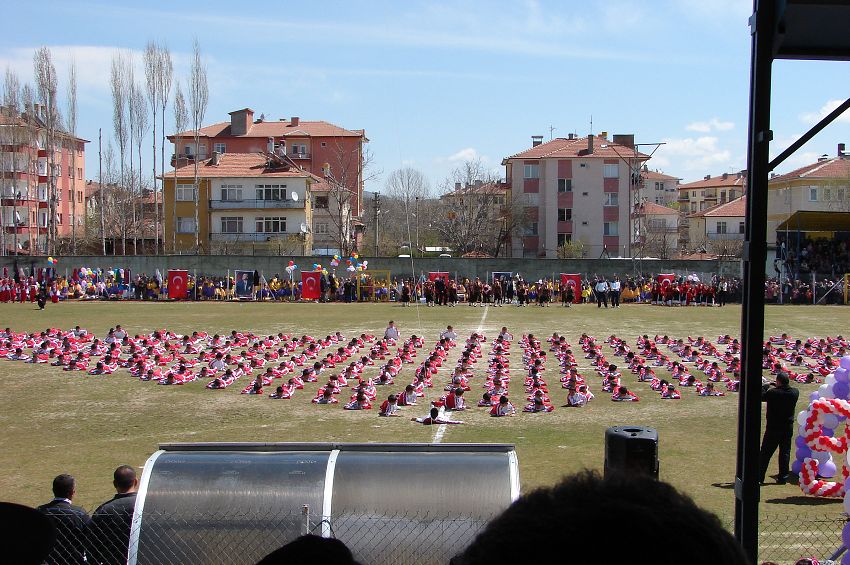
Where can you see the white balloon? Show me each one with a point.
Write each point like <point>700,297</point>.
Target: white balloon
<point>830,380</point>
<point>801,417</point>
<point>825,391</point>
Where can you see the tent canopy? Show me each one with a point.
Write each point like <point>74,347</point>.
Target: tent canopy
<point>809,221</point>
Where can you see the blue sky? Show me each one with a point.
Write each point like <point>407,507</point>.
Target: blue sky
<point>433,83</point>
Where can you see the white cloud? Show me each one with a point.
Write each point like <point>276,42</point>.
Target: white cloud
<point>690,154</point>
<point>713,124</point>
<point>815,117</point>
<point>467,154</point>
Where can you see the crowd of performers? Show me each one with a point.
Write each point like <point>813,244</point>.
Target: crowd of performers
<point>353,370</point>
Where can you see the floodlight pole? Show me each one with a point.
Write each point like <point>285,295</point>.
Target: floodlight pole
<point>762,25</point>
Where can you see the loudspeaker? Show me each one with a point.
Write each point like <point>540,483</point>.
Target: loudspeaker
<point>631,449</point>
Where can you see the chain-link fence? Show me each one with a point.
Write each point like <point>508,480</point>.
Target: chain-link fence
<point>234,537</point>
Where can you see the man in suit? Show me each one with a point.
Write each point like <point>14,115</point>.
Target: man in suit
<point>781,400</point>
<point>112,520</point>
<point>71,522</point>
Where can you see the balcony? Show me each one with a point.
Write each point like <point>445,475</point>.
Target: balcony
<point>255,204</point>
<point>248,237</point>
<point>299,155</point>
<point>186,158</point>
<point>713,236</point>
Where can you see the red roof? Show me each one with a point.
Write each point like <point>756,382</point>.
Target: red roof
<point>656,175</point>
<point>725,180</point>
<point>282,128</point>
<point>232,165</point>
<point>564,148</point>
<point>653,209</point>
<point>836,167</point>
<point>732,209</point>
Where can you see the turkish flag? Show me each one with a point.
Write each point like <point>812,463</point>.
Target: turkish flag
<point>574,281</point>
<point>177,288</point>
<point>664,281</point>
<point>434,275</point>
<point>311,285</point>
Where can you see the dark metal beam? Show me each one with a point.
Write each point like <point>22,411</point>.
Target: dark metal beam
<point>755,257</point>
<point>809,134</point>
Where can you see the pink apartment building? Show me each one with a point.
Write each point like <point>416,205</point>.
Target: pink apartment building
<point>25,174</point>
<point>576,189</point>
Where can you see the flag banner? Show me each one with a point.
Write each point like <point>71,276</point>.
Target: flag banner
<point>502,275</point>
<point>574,281</point>
<point>665,280</point>
<point>311,285</point>
<point>177,287</point>
<point>434,275</point>
<point>244,287</point>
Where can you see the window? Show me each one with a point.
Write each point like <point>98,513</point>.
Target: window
<point>187,150</point>
<point>564,238</point>
<point>231,224</point>
<point>531,172</point>
<point>659,186</point>
<point>565,214</point>
<point>220,148</point>
<point>741,227</point>
<point>322,202</point>
<point>70,196</point>
<point>721,227</point>
<point>271,225</point>
<point>813,194</point>
<point>299,149</point>
<point>186,193</point>
<point>70,171</point>
<point>270,191</point>
<point>611,199</point>
<point>611,171</point>
<point>79,172</point>
<point>185,224</point>
<point>231,192</point>
<point>722,196</point>
<point>320,227</point>
<point>702,193</point>
<point>693,194</point>
<point>59,219</point>
<point>582,165</point>
<point>531,228</point>
<point>324,144</point>
<point>584,194</point>
<point>693,206</point>
<point>610,228</point>
<point>659,200</point>
<point>565,185</point>
<point>80,196</point>
<point>827,194</point>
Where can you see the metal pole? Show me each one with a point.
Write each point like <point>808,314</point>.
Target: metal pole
<point>754,258</point>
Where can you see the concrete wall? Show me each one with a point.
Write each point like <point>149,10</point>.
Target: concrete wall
<point>269,265</point>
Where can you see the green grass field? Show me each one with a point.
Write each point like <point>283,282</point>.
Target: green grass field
<point>56,422</point>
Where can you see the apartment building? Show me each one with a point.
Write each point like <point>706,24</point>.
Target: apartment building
<point>320,148</point>
<point>576,189</point>
<point>248,203</point>
<point>28,168</point>
<point>658,188</point>
<point>656,229</point>
<point>813,200</point>
<point>706,193</point>
<point>719,229</point>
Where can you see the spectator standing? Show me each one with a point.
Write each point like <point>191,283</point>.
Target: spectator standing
<point>615,292</point>
<point>601,291</point>
<point>112,520</point>
<point>781,400</point>
<point>71,523</point>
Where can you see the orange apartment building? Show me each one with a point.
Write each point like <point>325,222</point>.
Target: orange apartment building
<point>323,149</point>
<point>25,175</point>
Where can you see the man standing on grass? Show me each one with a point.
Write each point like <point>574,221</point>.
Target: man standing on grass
<point>781,400</point>
<point>615,292</point>
<point>601,291</point>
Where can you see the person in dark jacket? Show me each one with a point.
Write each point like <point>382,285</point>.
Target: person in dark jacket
<point>71,523</point>
<point>111,522</point>
<point>781,400</point>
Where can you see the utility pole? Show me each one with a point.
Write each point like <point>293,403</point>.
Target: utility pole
<point>417,225</point>
<point>377,204</point>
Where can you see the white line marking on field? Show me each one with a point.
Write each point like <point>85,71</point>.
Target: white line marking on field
<point>441,429</point>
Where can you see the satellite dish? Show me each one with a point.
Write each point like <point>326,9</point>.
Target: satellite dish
<point>294,196</point>
<point>303,227</point>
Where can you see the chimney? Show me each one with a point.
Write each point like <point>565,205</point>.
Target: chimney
<point>625,139</point>
<point>841,150</point>
<point>823,158</point>
<point>571,136</point>
<point>590,144</point>
<point>706,177</point>
<point>216,158</point>
<point>241,121</point>
<point>294,121</point>
<point>725,176</point>
<point>604,135</point>
<point>536,140</point>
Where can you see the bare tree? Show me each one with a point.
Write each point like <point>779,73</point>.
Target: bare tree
<point>141,125</point>
<point>11,135</point>
<point>477,211</point>
<point>118,84</point>
<point>72,143</point>
<point>181,116</point>
<point>29,137</point>
<point>348,170</point>
<point>46,86</point>
<point>405,205</point>
<point>166,76</point>
<point>152,69</point>
<point>199,95</point>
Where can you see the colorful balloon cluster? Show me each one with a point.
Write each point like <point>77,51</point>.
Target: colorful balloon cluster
<point>817,442</point>
<point>355,265</point>
<point>52,261</point>
<point>291,267</point>
<point>335,261</point>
